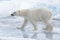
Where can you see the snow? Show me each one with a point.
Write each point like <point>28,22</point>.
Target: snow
<point>14,38</point>
<point>9,24</point>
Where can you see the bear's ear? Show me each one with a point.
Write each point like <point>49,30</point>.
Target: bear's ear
<point>14,12</point>
<point>19,11</point>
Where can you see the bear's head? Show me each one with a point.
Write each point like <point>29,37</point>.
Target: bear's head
<point>17,13</point>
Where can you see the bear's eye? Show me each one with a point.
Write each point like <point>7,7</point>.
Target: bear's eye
<point>14,13</point>
<point>18,11</point>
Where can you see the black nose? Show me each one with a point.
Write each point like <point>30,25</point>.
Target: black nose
<point>12,15</point>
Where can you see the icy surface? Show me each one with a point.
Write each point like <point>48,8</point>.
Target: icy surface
<point>8,28</point>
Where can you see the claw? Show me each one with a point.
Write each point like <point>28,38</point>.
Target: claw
<point>22,29</point>
<point>49,30</point>
<point>35,29</point>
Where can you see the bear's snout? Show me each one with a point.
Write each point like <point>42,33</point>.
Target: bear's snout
<point>12,14</point>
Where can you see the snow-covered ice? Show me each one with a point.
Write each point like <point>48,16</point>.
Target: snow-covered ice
<point>8,28</point>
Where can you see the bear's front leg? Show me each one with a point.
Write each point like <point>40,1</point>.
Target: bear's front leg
<point>24,24</point>
<point>34,24</point>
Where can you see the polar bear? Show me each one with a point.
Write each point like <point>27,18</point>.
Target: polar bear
<point>35,15</point>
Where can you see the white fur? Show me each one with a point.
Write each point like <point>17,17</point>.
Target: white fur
<point>36,15</point>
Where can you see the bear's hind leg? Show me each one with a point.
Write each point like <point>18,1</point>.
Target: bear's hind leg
<point>49,26</point>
